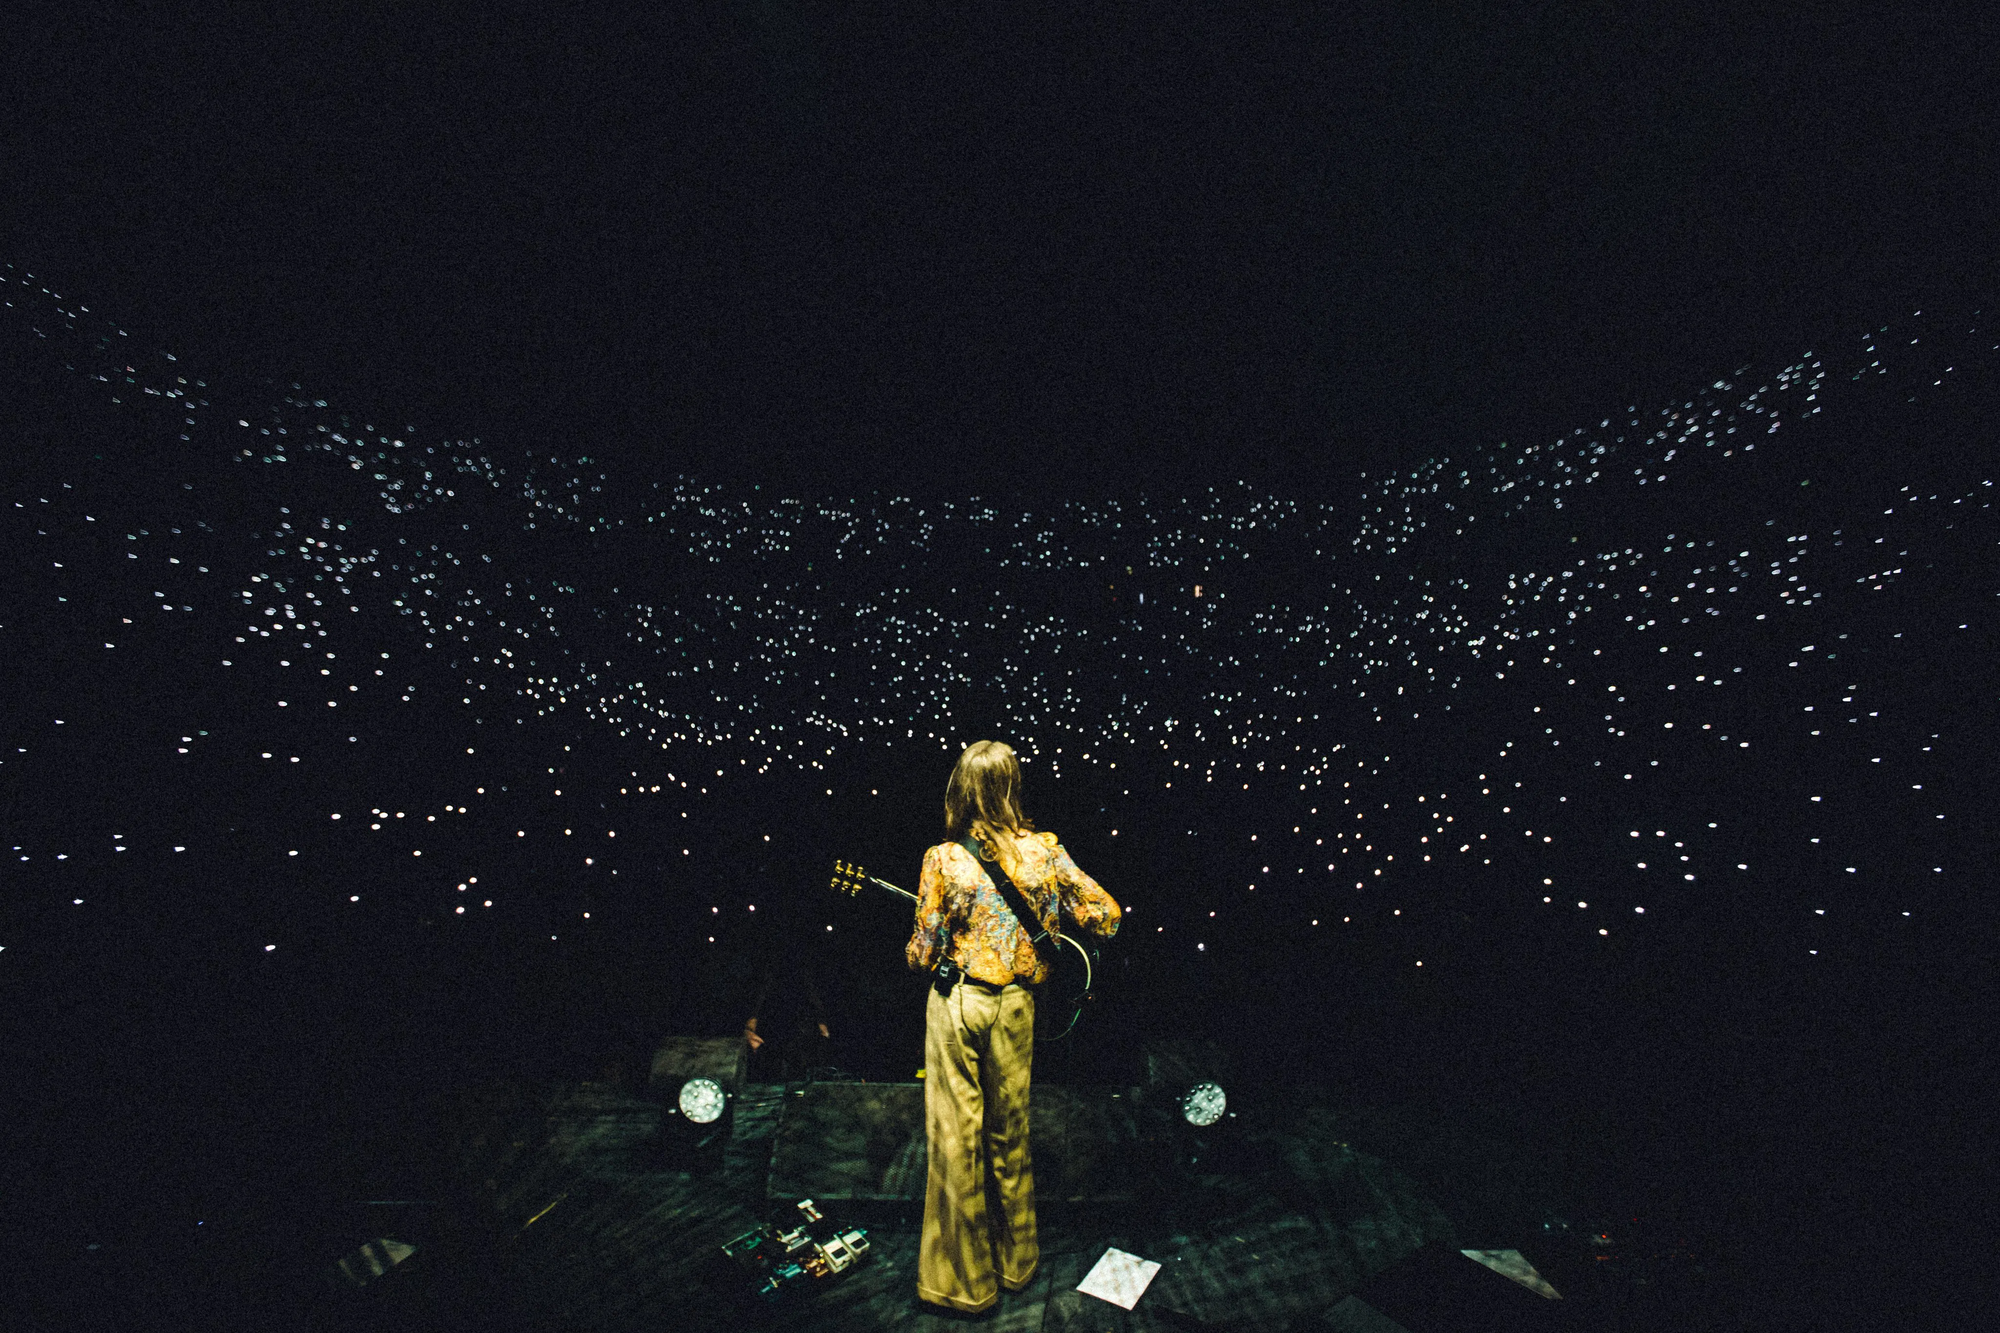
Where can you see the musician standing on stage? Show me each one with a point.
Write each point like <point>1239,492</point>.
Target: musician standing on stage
<point>979,1038</point>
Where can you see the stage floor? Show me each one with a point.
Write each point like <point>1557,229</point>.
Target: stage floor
<point>1277,1229</point>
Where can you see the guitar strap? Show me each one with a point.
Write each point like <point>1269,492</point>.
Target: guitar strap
<point>1012,893</point>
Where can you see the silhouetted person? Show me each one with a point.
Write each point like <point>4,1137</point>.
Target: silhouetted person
<point>772,981</point>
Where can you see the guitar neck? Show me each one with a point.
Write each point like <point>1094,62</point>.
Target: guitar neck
<point>883,883</point>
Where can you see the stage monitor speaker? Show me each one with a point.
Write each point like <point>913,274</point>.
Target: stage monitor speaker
<point>678,1059</point>
<point>1177,1064</point>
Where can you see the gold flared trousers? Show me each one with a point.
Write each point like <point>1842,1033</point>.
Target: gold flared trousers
<point>979,1203</point>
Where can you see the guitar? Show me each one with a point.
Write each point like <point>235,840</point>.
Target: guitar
<point>1059,1000</point>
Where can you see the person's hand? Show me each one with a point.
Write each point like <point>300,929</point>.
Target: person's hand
<point>823,1032</point>
<point>750,1034</point>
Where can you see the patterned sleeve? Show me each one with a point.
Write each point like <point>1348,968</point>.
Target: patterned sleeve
<point>922,952</point>
<point>1083,901</point>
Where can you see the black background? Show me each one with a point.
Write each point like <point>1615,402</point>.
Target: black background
<point>1143,247</point>
<point>1147,249</point>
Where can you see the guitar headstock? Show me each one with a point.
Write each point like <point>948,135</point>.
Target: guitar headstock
<point>848,878</point>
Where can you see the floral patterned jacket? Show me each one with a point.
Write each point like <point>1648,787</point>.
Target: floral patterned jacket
<point>962,914</point>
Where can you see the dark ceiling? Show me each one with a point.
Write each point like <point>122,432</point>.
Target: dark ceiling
<point>1150,247</point>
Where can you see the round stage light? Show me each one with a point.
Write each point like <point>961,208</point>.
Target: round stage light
<point>702,1100</point>
<point>1204,1104</point>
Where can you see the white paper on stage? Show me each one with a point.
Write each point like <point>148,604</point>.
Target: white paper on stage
<point>1119,1277</point>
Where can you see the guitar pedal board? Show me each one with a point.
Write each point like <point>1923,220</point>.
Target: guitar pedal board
<point>782,1262</point>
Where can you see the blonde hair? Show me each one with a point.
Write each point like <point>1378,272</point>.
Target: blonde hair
<point>983,798</point>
